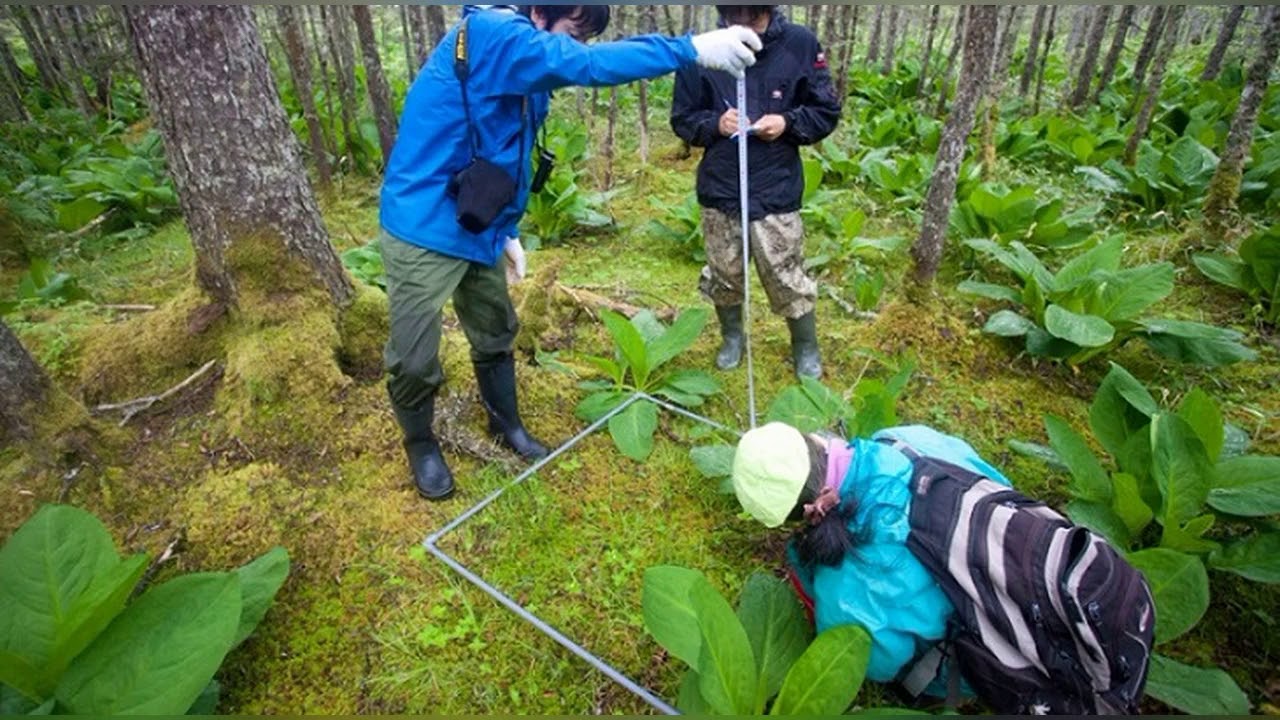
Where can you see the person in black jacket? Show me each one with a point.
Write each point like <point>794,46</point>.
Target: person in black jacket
<point>791,101</point>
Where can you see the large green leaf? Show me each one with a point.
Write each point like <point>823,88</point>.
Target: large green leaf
<point>1202,414</point>
<point>713,461</point>
<point>1247,486</point>
<point>1256,557</point>
<point>55,575</point>
<point>826,679</point>
<point>1007,323</point>
<point>1128,504</point>
<point>726,666</point>
<point>630,345</point>
<point>1193,690</point>
<point>679,337</point>
<point>259,582</point>
<point>1180,468</point>
<point>669,615</point>
<point>1121,407</point>
<point>690,700</point>
<point>1125,294</point>
<point>1105,256</point>
<point>693,382</point>
<point>1196,343</point>
<point>1089,480</point>
<point>990,291</point>
<point>776,627</point>
<point>808,407</point>
<point>597,405</point>
<point>632,429</point>
<point>160,653</point>
<point>1180,586</point>
<point>92,612</point>
<point>1226,270</point>
<point>1102,520</point>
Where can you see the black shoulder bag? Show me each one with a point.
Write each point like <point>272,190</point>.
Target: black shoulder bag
<point>482,189</point>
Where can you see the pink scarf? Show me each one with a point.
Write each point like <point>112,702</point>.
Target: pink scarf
<point>839,457</point>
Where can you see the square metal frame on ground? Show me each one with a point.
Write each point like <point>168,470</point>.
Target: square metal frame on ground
<point>431,543</point>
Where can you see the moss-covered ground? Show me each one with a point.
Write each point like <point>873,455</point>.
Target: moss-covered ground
<point>291,442</point>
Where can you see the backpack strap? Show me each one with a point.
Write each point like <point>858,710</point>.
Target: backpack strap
<point>462,69</point>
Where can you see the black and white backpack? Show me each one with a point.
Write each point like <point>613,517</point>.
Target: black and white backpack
<point>1050,619</point>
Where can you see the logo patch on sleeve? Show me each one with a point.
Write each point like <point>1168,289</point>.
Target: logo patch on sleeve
<point>820,62</point>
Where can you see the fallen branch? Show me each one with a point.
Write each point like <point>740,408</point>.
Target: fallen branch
<point>589,301</point>
<point>132,408</point>
<point>129,308</point>
<point>848,306</point>
<point>89,227</point>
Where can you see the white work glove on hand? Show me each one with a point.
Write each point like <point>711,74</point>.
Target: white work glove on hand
<point>516,263</point>
<point>732,49</point>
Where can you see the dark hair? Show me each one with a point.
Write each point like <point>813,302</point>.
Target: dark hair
<point>593,19</point>
<point>826,543</point>
<point>755,10</point>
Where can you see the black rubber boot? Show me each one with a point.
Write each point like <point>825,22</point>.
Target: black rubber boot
<point>731,337</point>
<point>430,473</point>
<point>804,346</point>
<point>497,382</point>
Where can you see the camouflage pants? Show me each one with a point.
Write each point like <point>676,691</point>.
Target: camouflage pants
<point>777,247</point>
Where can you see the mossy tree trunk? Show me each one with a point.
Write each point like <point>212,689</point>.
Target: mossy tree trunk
<point>873,45</point>
<point>1213,65</point>
<point>890,41</point>
<point>1044,58</point>
<point>1172,19</point>
<point>300,72</point>
<point>847,39</point>
<point>234,160</point>
<point>45,68</point>
<point>13,86</point>
<point>1033,47</point>
<point>1155,26</point>
<point>23,386</point>
<point>944,82</point>
<point>975,73</point>
<point>1225,186</point>
<point>995,88</point>
<point>1117,47</point>
<point>930,30</point>
<point>1089,62</point>
<point>379,92</point>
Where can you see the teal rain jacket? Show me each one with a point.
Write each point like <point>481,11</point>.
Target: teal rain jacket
<point>881,586</point>
<point>513,69</point>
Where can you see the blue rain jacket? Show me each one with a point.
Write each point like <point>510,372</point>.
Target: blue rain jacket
<point>881,585</point>
<point>513,69</point>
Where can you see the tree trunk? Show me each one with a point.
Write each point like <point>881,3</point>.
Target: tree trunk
<point>1033,47</point>
<point>890,41</point>
<point>1155,26</point>
<point>330,143</point>
<point>1079,24</point>
<point>1213,65</point>
<point>410,59</point>
<point>232,156</point>
<point>686,18</point>
<point>23,386</point>
<point>435,24</point>
<point>945,81</point>
<point>1117,47</point>
<point>1225,186</point>
<point>979,48</point>
<point>45,67</point>
<point>1008,39</point>
<point>421,43</point>
<point>1171,21</point>
<point>1044,58</point>
<point>928,48</point>
<point>814,20</point>
<point>335,22</point>
<point>295,52</point>
<point>14,85</point>
<point>375,81</point>
<point>74,62</point>
<point>848,31</point>
<point>648,20</point>
<point>835,16</point>
<point>1089,63</point>
<point>610,138</point>
<point>873,47</point>
<point>995,89</point>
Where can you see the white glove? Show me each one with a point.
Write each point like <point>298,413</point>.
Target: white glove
<point>732,49</point>
<point>516,263</point>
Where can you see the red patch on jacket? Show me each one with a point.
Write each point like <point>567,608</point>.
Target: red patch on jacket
<point>820,62</point>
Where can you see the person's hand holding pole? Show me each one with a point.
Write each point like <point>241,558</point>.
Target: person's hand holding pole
<point>732,49</point>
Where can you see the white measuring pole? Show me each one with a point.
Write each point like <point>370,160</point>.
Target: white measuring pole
<point>743,200</point>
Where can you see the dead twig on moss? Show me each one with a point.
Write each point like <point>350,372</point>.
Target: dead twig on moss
<point>589,301</point>
<point>132,408</point>
<point>129,308</point>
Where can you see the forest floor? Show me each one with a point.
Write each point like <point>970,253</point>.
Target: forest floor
<point>368,622</point>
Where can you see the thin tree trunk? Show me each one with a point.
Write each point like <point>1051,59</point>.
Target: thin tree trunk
<point>1033,47</point>
<point>979,48</point>
<point>1089,63</point>
<point>15,82</point>
<point>1117,47</point>
<point>956,43</point>
<point>334,20</point>
<point>686,18</point>
<point>891,41</point>
<point>1213,65</point>
<point>23,387</point>
<point>1008,39</point>
<point>669,18</point>
<point>435,23</point>
<point>1044,58</point>
<point>848,30</point>
<point>75,62</point>
<point>88,34</point>
<point>928,48</point>
<point>295,52</point>
<point>379,92</point>
<point>995,89</point>
<point>421,43</point>
<point>648,21</point>
<point>45,68</point>
<point>233,158</point>
<point>410,59</point>
<point>814,21</point>
<point>1172,19</point>
<point>873,48</point>
<point>835,16</point>
<point>1079,25</point>
<point>330,141</point>
<point>1155,26</point>
<point>1225,186</point>
<point>610,137</point>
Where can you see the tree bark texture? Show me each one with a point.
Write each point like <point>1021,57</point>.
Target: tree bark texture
<point>337,22</point>
<point>45,68</point>
<point>945,81</point>
<point>14,85</point>
<point>873,46</point>
<point>23,386</point>
<point>995,89</point>
<point>295,51</point>
<point>1033,47</point>
<point>1170,41</point>
<point>848,32</point>
<point>410,57</point>
<point>932,27</point>
<point>435,24</point>
<point>73,61</point>
<point>890,41</point>
<point>1117,47</point>
<point>322,59</point>
<point>1155,26</point>
<point>1213,65</point>
<point>379,92</point>
<point>1089,61</point>
<point>232,155</point>
<point>1008,39</point>
<point>1075,39</point>
<point>979,47</point>
<point>1225,185</point>
<point>1044,57</point>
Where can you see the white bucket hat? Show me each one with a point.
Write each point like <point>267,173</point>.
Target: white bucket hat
<point>769,471</point>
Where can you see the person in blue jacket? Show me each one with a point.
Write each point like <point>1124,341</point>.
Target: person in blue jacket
<point>515,56</point>
<point>850,557</point>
